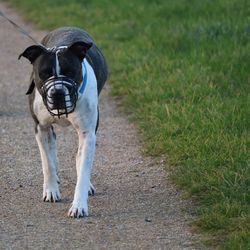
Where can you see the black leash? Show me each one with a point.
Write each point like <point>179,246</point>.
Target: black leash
<point>18,28</point>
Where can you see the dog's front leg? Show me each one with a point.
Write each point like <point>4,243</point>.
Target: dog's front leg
<point>85,158</point>
<point>46,140</point>
<point>78,158</point>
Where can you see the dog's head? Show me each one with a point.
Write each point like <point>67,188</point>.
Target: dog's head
<point>57,74</point>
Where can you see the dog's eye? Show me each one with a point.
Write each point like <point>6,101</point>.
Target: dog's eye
<point>69,72</point>
<point>44,75</point>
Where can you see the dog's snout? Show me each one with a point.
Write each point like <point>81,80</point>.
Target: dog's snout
<point>57,98</point>
<point>60,95</point>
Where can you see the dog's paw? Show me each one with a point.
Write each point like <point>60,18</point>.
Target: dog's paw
<point>51,194</point>
<point>91,189</point>
<point>78,212</point>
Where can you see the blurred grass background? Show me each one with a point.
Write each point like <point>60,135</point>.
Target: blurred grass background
<point>182,70</point>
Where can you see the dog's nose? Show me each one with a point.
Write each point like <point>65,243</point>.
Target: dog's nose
<point>58,98</point>
<point>56,92</point>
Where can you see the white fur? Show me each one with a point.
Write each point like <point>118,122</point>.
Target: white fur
<point>84,120</point>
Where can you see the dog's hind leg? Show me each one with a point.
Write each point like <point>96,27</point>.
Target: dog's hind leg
<point>91,189</point>
<point>97,122</point>
<point>46,140</point>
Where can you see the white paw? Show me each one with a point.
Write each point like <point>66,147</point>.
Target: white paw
<point>78,211</point>
<point>91,189</point>
<point>51,193</point>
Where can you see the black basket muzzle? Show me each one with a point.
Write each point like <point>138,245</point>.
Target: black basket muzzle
<point>59,95</point>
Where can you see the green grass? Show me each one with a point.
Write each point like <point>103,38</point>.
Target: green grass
<point>182,69</point>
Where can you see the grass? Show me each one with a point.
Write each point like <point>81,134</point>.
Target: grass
<point>182,69</point>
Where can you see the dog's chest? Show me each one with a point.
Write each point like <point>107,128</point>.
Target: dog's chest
<point>64,122</point>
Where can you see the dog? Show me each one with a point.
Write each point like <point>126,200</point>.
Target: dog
<point>69,72</point>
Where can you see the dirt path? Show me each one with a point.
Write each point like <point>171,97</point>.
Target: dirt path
<point>135,206</point>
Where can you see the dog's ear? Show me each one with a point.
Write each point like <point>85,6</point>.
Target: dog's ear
<point>31,88</point>
<point>32,52</point>
<point>80,49</point>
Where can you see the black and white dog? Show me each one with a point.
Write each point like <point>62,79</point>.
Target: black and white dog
<point>69,72</point>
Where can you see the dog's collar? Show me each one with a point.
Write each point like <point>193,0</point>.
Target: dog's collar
<point>84,81</point>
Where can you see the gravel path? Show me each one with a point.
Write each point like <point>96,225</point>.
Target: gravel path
<point>135,206</point>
